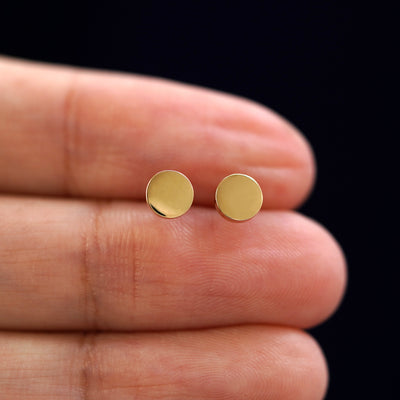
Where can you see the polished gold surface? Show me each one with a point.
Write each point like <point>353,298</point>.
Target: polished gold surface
<point>238,197</point>
<point>169,194</point>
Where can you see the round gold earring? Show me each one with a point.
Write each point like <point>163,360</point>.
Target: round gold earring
<point>238,197</point>
<point>169,194</point>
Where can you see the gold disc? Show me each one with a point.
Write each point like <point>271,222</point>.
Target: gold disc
<point>238,197</point>
<point>169,194</point>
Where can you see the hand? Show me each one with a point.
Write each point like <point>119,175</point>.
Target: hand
<point>102,299</point>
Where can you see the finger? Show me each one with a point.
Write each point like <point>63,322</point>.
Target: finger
<point>83,133</point>
<point>83,265</point>
<point>232,363</point>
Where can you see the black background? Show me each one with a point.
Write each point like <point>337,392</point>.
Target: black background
<point>326,67</point>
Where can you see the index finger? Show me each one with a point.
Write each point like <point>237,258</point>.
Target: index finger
<point>65,131</point>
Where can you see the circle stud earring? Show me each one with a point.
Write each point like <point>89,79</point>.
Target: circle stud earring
<point>169,194</point>
<point>238,197</point>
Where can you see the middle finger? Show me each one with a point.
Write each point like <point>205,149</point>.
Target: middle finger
<point>115,265</point>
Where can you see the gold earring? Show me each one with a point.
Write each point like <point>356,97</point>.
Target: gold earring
<point>169,194</point>
<point>238,197</point>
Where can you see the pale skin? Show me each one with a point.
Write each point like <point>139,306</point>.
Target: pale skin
<point>102,299</point>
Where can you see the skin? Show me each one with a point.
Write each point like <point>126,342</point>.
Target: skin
<point>102,299</point>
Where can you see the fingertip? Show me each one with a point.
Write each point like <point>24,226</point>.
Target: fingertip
<point>301,165</point>
<point>310,369</point>
<point>287,169</point>
<point>329,280</point>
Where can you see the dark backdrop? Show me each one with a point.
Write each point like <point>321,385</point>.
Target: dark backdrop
<point>325,66</point>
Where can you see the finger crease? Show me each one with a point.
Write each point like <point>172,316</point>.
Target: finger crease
<point>87,350</point>
<point>91,250</point>
<point>70,131</point>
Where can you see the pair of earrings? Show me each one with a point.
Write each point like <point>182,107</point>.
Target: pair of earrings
<point>238,197</point>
